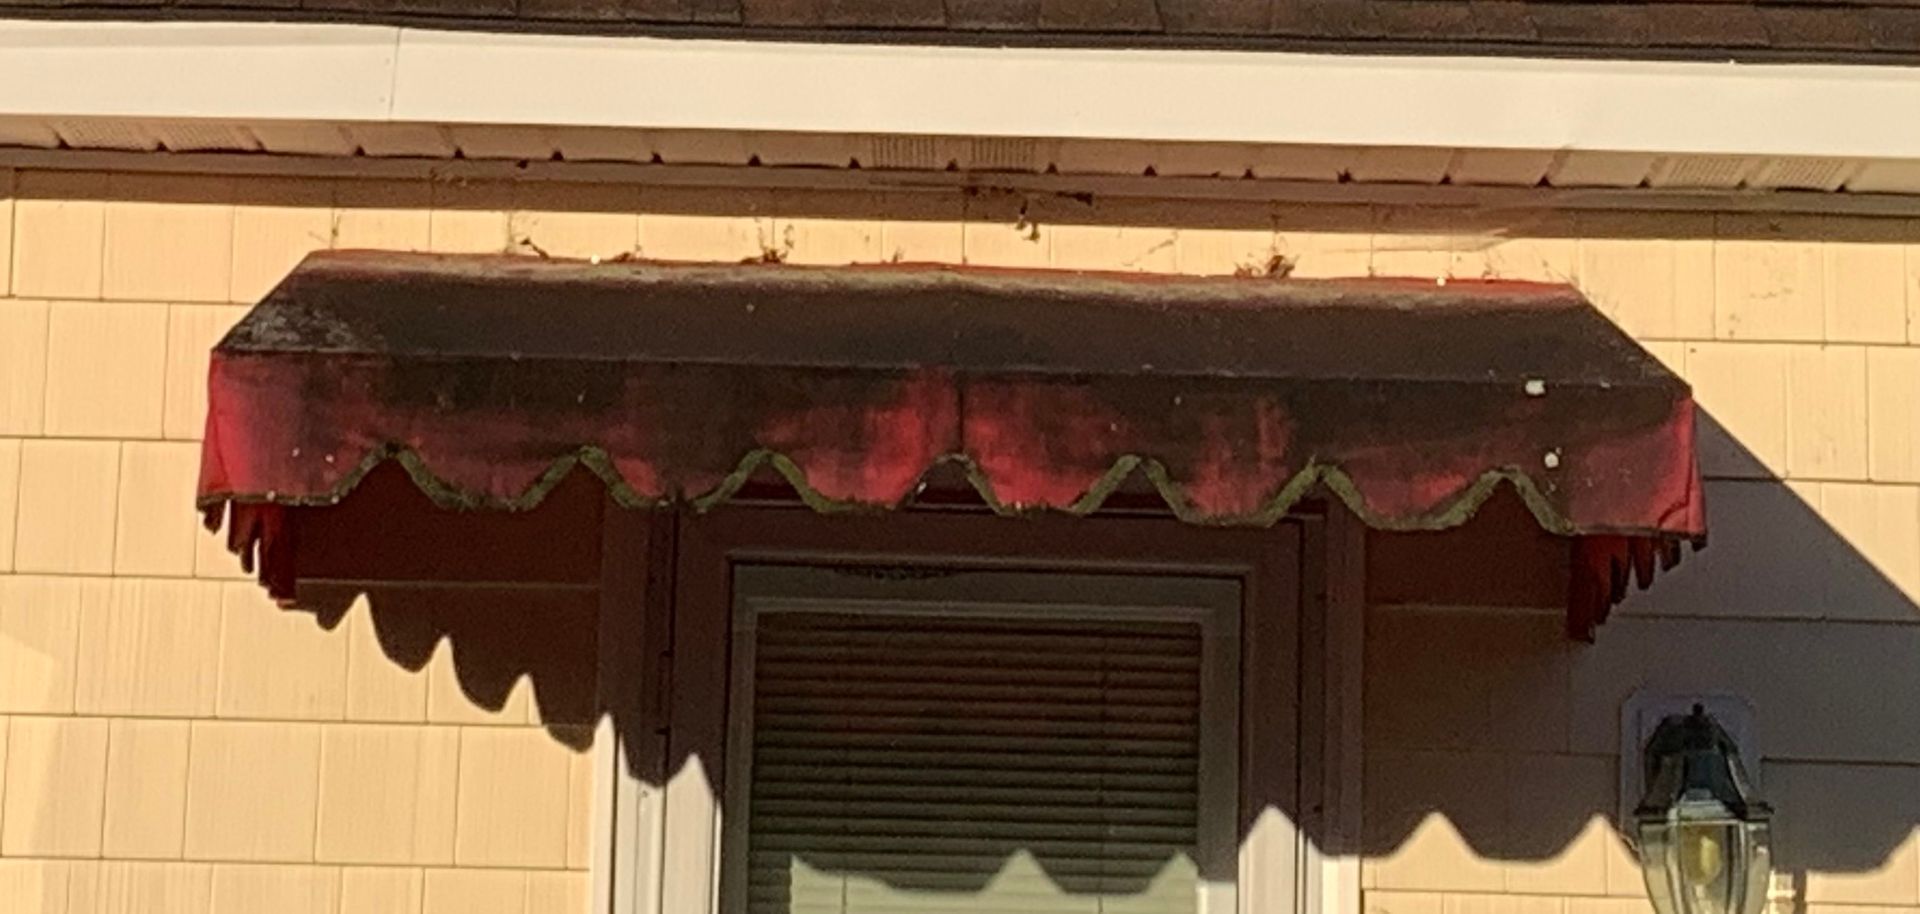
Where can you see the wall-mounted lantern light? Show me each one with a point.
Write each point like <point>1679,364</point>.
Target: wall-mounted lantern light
<point>1704,838</point>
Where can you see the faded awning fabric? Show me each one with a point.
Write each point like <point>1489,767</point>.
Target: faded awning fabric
<point>491,378</point>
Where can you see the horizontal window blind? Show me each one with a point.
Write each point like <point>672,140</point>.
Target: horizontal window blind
<point>960,764</point>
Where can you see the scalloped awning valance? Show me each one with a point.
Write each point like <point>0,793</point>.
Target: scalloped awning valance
<point>491,378</point>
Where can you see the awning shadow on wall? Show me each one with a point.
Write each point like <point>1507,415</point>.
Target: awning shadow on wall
<point>1488,731</point>
<point>1491,739</point>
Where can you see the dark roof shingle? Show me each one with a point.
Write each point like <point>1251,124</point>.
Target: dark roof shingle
<point>1874,31</point>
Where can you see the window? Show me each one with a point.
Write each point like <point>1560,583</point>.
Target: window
<point>985,741</point>
<point>997,663</point>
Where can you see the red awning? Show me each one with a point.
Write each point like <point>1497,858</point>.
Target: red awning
<point>490,378</point>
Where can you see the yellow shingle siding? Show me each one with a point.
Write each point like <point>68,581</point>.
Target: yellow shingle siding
<point>183,745</point>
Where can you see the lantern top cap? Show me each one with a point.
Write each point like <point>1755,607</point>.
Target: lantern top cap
<point>1695,731</point>
<point>1694,772</point>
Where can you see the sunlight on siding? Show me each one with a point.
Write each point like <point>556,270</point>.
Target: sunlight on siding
<point>1020,885</point>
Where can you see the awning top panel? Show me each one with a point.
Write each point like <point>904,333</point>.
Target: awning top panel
<point>490,378</point>
<point>898,318</point>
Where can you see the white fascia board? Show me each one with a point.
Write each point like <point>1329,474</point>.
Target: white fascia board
<point>384,74</point>
<point>1160,95</point>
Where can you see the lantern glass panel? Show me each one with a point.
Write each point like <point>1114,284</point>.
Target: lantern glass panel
<point>1717,866</point>
<point>1708,858</point>
<point>1656,846</point>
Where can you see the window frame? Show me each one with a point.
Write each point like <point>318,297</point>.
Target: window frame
<point>666,615</point>
<point>1156,599</point>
